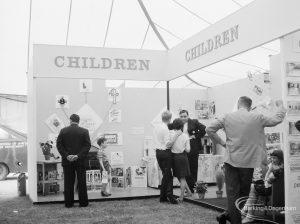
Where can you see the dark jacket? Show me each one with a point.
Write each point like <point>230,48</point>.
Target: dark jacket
<point>197,129</point>
<point>73,140</point>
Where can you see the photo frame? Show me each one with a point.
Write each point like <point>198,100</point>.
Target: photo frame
<point>54,123</point>
<point>273,138</point>
<point>292,128</point>
<point>293,88</point>
<point>111,138</point>
<point>293,68</point>
<point>294,148</point>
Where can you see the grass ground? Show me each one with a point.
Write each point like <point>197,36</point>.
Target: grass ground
<point>145,211</point>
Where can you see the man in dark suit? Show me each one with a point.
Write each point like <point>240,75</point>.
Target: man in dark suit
<point>195,131</point>
<point>73,144</point>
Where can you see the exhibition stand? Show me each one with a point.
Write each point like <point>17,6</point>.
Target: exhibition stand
<point>71,79</point>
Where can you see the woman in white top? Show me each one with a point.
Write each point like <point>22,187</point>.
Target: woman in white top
<point>181,168</point>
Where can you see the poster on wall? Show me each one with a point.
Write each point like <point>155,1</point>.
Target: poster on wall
<point>116,158</point>
<point>138,176</point>
<point>293,88</point>
<point>54,123</point>
<point>258,90</point>
<point>62,101</point>
<point>115,116</point>
<point>85,85</point>
<point>212,109</point>
<point>114,138</point>
<point>273,141</point>
<point>202,109</point>
<point>114,95</point>
<point>89,119</point>
<point>294,148</point>
<point>117,177</point>
<point>293,68</point>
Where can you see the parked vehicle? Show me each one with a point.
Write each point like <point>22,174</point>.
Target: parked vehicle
<point>13,152</point>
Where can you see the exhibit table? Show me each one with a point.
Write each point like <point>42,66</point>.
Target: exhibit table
<point>208,164</point>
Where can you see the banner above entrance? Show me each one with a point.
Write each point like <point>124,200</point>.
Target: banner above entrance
<point>253,25</point>
<point>53,61</point>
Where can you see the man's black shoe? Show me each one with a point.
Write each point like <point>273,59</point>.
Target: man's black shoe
<point>223,217</point>
<point>84,205</point>
<point>172,200</point>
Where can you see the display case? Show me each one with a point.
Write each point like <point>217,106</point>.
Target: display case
<point>50,177</point>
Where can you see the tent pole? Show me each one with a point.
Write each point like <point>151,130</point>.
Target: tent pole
<point>168,95</point>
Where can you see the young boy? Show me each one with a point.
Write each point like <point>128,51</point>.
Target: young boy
<point>104,164</point>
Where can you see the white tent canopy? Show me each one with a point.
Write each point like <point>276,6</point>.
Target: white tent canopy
<point>118,24</point>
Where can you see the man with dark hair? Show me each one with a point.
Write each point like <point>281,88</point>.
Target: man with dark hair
<point>73,144</point>
<point>195,130</point>
<point>245,147</point>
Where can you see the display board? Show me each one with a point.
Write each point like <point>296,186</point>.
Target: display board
<point>290,76</point>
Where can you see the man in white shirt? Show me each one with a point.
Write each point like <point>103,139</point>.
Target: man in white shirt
<point>162,143</point>
<point>245,146</point>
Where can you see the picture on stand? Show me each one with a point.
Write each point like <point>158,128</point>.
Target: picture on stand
<point>293,88</point>
<point>292,128</point>
<point>293,68</point>
<point>273,138</point>
<point>294,148</point>
<point>293,107</point>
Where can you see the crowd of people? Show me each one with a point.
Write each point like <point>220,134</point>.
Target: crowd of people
<point>178,145</point>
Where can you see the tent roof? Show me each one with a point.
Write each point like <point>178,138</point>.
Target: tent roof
<point>118,24</point>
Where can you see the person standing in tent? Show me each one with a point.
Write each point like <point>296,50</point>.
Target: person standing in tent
<point>162,143</point>
<point>104,166</point>
<point>73,144</point>
<point>245,147</point>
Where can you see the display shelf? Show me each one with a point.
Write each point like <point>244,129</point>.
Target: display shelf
<point>47,174</point>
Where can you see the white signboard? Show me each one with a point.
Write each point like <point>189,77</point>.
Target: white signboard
<point>241,31</point>
<point>95,62</point>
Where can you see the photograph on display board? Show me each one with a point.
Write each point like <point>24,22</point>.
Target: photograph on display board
<point>54,123</point>
<point>202,109</point>
<point>293,88</point>
<point>111,138</point>
<point>258,90</point>
<point>293,68</point>
<point>294,148</point>
<point>292,128</point>
<point>273,138</point>
<point>293,107</point>
<point>85,85</point>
